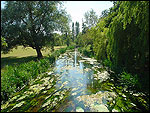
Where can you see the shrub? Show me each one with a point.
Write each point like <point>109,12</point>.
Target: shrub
<point>62,50</point>
<point>71,47</point>
<point>87,51</point>
<point>16,76</point>
<point>107,63</point>
<point>131,81</point>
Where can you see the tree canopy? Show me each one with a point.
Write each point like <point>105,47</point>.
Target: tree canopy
<point>121,37</point>
<point>32,23</point>
<point>90,18</point>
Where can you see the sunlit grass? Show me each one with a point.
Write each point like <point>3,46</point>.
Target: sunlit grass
<point>21,55</point>
<point>28,51</point>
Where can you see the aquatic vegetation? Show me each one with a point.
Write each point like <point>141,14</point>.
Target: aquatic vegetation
<point>79,109</point>
<point>76,88</point>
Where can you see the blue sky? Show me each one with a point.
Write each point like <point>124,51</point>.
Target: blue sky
<point>76,9</point>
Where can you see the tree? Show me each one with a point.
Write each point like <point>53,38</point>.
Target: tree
<point>104,13</point>
<point>77,29</point>
<point>73,31</point>
<point>90,18</point>
<point>84,27</point>
<point>32,23</point>
<point>67,39</point>
<point>3,43</point>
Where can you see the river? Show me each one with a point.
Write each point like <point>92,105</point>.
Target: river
<point>78,76</point>
<point>74,84</point>
<point>77,72</point>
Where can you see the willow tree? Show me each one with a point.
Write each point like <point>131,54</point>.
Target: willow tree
<point>32,23</point>
<point>129,35</point>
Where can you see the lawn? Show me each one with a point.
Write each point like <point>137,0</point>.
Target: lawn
<point>20,55</point>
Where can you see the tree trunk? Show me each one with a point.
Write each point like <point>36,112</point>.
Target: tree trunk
<point>53,43</point>
<point>52,48</point>
<point>39,53</point>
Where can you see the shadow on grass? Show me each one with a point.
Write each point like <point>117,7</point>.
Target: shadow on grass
<point>14,60</point>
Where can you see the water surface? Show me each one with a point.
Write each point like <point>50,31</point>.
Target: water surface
<point>77,75</point>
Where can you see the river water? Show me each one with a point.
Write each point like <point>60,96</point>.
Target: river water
<point>78,76</point>
<point>74,84</point>
<point>61,89</point>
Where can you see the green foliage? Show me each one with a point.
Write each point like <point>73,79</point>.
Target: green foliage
<point>131,81</point>
<point>120,39</point>
<point>33,23</point>
<point>87,51</point>
<point>70,47</point>
<point>3,42</point>
<point>77,29</point>
<point>4,45</point>
<point>129,35</point>
<point>90,18</point>
<point>107,63</point>
<point>62,50</point>
<point>58,40</point>
<point>56,53</point>
<point>84,27</point>
<point>73,31</point>
<point>100,40</point>
<point>16,76</point>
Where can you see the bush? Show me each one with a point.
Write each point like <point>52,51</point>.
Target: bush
<point>107,63</point>
<point>71,47</point>
<point>87,51</point>
<point>62,50</point>
<point>131,81</point>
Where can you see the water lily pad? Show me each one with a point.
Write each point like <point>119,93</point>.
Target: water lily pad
<point>74,93</point>
<point>28,92</point>
<point>74,89</point>
<point>18,105</point>
<point>44,92</point>
<point>22,97</point>
<point>5,105</point>
<point>36,88</point>
<point>49,73</point>
<point>49,86</point>
<point>15,97</point>
<point>47,103</point>
<point>114,110</point>
<point>79,109</point>
<point>99,108</point>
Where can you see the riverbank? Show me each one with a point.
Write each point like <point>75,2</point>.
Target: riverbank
<point>19,74</point>
<point>75,83</point>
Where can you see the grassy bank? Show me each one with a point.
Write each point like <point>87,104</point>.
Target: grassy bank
<point>16,76</point>
<point>28,51</point>
<point>21,55</point>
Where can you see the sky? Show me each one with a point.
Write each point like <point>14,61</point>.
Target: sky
<point>2,4</point>
<point>76,9</point>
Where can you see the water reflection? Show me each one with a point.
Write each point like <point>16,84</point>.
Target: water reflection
<point>75,58</point>
<point>77,74</point>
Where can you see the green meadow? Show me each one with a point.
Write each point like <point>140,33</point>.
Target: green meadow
<point>20,55</point>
